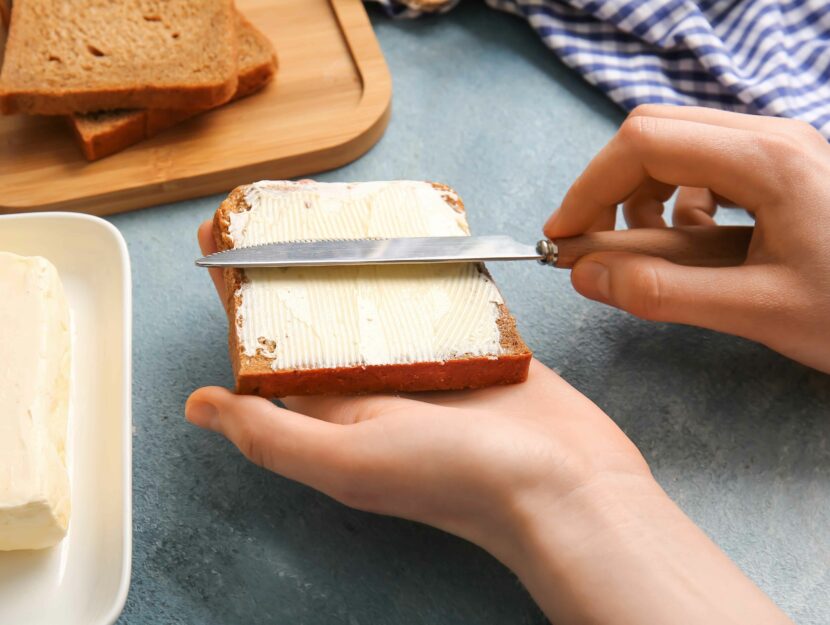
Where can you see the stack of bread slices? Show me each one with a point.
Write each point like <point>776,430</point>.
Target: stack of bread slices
<point>122,71</point>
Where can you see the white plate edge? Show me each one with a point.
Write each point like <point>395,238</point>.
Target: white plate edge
<point>126,441</point>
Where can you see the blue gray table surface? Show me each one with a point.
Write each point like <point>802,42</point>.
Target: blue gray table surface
<point>736,434</point>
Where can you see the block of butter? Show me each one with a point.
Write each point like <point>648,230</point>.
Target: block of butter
<point>34,396</point>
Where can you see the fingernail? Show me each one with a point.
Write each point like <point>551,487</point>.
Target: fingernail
<point>594,280</point>
<point>202,413</point>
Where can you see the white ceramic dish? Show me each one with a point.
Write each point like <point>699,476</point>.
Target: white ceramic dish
<point>84,580</point>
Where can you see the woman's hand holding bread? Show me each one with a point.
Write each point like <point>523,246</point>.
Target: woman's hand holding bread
<point>535,473</point>
<point>399,455</point>
<point>777,169</point>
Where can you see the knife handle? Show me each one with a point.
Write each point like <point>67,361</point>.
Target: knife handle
<point>698,246</point>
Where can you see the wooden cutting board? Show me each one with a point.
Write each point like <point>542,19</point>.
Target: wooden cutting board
<point>328,104</point>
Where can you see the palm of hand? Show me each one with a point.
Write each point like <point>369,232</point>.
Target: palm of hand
<point>459,460</point>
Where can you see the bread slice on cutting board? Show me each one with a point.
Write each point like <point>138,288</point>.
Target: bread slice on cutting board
<point>5,18</point>
<point>89,55</point>
<point>103,133</point>
<point>346,330</point>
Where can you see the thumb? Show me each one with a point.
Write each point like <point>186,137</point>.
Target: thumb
<point>737,300</point>
<point>300,448</point>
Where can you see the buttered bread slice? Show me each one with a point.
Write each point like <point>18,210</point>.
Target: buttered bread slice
<point>34,394</point>
<point>326,330</point>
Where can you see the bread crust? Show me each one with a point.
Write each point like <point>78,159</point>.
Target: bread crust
<point>68,101</point>
<point>127,128</point>
<point>466,373</point>
<point>254,374</point>
<point>4,28</point>
<point>131,128</point>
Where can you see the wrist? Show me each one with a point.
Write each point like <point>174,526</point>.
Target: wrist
<point>617,549</point>
<point>550,529</point>
<point>568,547</point>
<point>542,512</point>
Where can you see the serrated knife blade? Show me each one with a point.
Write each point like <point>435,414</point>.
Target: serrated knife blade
<point>414,250</point>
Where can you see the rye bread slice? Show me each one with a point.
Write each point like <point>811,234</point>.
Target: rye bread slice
<point>103,133</point>
<point>91,55</point>
<point>5,18</point>
<point>257,375</point>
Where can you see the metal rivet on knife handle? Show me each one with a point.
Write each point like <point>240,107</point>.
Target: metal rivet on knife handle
<point>548,251</point>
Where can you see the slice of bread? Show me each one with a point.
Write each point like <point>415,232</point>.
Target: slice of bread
<point>4,28</point>
<point>89,55</point>
<point>348,330</point>
<point>104,133</point>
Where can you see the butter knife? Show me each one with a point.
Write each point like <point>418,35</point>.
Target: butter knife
<point>702,246</point>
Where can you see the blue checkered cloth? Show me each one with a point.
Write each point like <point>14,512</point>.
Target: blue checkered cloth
<point>753,56</point>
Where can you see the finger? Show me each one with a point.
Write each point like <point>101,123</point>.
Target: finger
<point>607,221</point>
<point>507,397</point>
<point>471,398</point>
<point>644,208</point>
<point>208,246</point>
<point>300,448</point>
<point>492,398</point>
<point>694,207</point>
<point>739,164</point>
<point>716,117</point>
<point>724,202</point>
<point>727,299</point>
<point>347,410</point>
<point>602,218</point>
